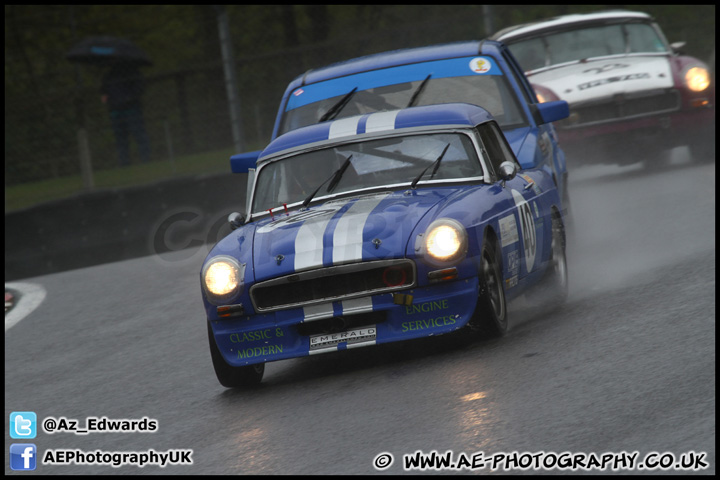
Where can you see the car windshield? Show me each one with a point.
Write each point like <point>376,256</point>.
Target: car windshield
<point>588,42</point>
<point>425,83</point>
<point>393,161</point>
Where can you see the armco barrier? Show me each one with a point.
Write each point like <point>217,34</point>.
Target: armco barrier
<point>116,224</point>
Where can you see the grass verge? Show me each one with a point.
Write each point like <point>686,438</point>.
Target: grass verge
<point>28,194</point>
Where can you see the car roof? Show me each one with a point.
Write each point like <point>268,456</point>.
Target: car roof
<point>449,114</point>
<point>395,58</point>
<point>566,21</point>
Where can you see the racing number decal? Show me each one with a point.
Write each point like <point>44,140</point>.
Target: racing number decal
<point>527,226</point>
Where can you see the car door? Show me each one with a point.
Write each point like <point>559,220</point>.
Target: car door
<point>522,233</point>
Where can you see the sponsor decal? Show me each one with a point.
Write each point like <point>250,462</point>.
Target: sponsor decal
<point>619,78</point>
<point>426,307</point>
<point>508,230</point>
<point>511,282</point>
<point>513,262</point>
<point>605,68</point>
<point>298,92</point>
<point>256,335</point>
<point>480,65</point>
<point>260,351</point>
<point>428,324</point>
<point>527,226</point>
<point>359,335</point>
<point>531,182</point>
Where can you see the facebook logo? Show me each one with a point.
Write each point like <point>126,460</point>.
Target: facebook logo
<point>23,425</point>
<point>22,456</point>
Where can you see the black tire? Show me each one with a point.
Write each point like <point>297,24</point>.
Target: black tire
<point>552,290</point>
<point>490,317</point>
<point>233,377</point>
<point>557,275</point>
<point>567,206</point>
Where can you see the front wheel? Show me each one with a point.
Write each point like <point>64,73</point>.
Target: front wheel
<point>233,377</point>
<point>491,312</point>
<point>558,275</point>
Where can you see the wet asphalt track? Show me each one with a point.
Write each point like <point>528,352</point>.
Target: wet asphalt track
<point>628,364</point>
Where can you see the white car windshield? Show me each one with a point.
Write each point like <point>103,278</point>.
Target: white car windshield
<point>588,42</point>
<point>394,161</point>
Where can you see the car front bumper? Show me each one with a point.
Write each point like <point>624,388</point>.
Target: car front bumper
<point>382,318</point>
<point>673,127</point>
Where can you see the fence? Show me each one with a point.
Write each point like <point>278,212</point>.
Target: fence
<point>185,101</point>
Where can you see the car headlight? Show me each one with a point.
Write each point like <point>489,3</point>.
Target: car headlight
<point>697,79</point>
<point>223,278</point>
<point>446,240</point>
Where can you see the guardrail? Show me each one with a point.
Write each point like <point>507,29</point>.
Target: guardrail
<point>117,224</point>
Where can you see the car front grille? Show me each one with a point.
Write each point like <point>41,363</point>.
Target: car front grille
<point>622,107</point>
<point>339,282</point>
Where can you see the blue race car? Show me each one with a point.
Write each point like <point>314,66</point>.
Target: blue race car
<point>380,228</point>
<point>482,73</point>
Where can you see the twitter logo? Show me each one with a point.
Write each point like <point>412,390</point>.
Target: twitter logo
<point>23,425</point>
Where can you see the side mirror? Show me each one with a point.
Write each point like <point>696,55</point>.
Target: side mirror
<point>553,111</point>
<point>242,162</point>
<point>236,220</point>
<point>508,170</point>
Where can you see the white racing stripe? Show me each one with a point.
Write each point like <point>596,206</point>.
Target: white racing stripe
<point>309,239</point>
<point>323,350</point>
<point>348,235</point>
<point>317,312</point>
<point>344,127</point>
<point>361,344</point>
<point>380,121</point>
<point>357,305</point>
<point>335,348</point>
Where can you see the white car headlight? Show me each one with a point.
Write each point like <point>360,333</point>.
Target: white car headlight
<point>223,278</point>
<point>697,79</point>
<point>446,240</point>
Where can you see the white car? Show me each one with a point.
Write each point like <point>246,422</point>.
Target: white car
<point>630,92</point>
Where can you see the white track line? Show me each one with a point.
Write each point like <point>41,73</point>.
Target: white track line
<point>31,296</point>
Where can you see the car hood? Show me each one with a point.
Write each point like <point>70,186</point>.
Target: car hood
<point>602,78</point>
<point>359,228</point>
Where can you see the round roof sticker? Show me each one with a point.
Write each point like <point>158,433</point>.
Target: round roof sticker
<point>480,65</point>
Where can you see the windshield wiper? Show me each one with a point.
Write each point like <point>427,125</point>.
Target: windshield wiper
<point>338,174</point>
<point>419,90</point>
<point>335,109</point>
<point>436,163</point>
<point>334,179</point>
